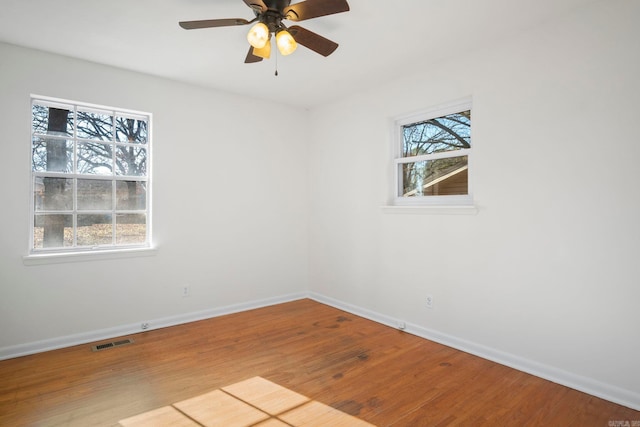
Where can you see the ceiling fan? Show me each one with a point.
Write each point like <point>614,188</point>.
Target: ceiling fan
<point>269,15</point>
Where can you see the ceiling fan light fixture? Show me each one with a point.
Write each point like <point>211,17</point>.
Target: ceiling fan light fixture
<point>286,43</point>
<point>258,35</point>
<point>263,52</point>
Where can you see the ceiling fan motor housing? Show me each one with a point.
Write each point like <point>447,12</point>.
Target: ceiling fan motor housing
<point>277,5</point>
<point>273,16</point>
<point>272,19</point>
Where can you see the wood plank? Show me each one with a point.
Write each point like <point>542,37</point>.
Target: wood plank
<point>378,374</point>
<point>165,416</point>
<point>316,414</point>
<point>266,395</point>
<point>272,422</point>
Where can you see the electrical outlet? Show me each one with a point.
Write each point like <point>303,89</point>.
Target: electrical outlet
<point>185,290</point>
<point>429,301</point>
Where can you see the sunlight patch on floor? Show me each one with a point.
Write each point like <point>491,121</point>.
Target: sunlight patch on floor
<point>253,402</point>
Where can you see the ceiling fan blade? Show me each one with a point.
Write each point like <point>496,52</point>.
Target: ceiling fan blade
<point>209,23</point>
<point>313,41</point>
<point>251,58</point>
<point>256,5</point>
<point>314,8</point>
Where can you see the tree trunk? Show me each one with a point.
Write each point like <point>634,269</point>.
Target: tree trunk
<point>54,187</point>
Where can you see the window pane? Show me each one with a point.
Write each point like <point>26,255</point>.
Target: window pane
<point>52,231</point>
<point>52,121</point>
<point>446,133</point>
<point>94,194</point>
<point>131,130</point>
<point>95,230</point>
<point>95,125</point>
<point>441,177</point>
<point>131,228</point>
<point>89,175</point>
<point>94,159</point>
<point>131,195</point>
<point>131,161</point>
<point>54,155</point>
<point>53,194</point>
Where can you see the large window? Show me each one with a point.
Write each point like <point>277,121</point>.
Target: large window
<point>90,177</point>
<point>433,151</point>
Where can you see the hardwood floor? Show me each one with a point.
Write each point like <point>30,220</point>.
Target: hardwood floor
<point>379,374</point>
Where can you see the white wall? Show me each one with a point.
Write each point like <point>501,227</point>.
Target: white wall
<point>229,205</point>
<point>547,272</point>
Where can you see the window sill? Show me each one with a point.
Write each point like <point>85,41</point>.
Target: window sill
<point>57,258</point>
<point>431,210</point>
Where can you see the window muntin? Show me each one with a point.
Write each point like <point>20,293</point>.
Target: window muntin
<point>433,151</point>
<point>90,177</point>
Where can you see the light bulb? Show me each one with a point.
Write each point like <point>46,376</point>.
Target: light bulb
<point>258,35</point>
<point>286,43</point>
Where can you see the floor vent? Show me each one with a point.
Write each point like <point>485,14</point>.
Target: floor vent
<point>112,344</point>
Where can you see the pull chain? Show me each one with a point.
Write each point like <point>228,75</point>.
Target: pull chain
<point>276,73</point>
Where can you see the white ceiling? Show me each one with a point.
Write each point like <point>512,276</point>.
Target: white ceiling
<point>379,40</point>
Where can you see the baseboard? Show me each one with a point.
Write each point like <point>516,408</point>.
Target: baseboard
<point>587,385</point>
<point>118,331</point>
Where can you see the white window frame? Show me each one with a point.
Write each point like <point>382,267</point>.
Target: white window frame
<point>113,250</point>
<point>462,201</point>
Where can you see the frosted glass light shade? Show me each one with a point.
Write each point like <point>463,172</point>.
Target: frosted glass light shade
<point>286,43</point>
<point>258,35</point>
<point>263,52</point>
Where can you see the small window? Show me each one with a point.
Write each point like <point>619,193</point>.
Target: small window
<point>433,152</point>
<point>90,178</point>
